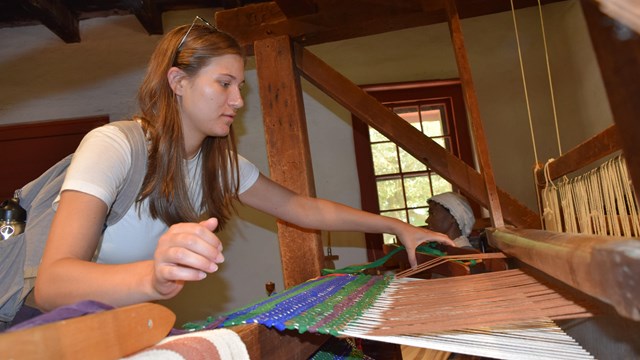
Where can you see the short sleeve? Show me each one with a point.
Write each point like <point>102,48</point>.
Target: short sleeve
<point>248,174</point>
<point>100,164</point>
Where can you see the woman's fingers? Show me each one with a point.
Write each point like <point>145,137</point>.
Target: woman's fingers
<point>189,251</point>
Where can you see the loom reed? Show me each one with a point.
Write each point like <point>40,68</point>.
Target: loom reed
<point>442,259</point>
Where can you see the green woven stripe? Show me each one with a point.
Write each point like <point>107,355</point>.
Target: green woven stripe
<point>329,308</point>
<point>314,315</point>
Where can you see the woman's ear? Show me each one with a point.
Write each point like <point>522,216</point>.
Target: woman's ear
<point>175,77</point>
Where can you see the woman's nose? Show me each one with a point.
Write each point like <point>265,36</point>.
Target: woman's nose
<point>236,100</point>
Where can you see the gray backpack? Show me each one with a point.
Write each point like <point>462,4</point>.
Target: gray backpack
<point>20,255</point>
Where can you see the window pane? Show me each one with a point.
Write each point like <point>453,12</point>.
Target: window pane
<point>441,141</point>
<point>385,158</point>
<point>390,239</point>
<point>400,214</point>
<point>432,120</point>
<point>376,136</point>
<point>409,163</point>
<point>418,190</point>
<point>417,217</point>
<point>409,113</point>
<point>390,194</point>
<point>439,184</point>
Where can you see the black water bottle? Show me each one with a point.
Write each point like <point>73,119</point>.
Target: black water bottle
<point>12,218</point>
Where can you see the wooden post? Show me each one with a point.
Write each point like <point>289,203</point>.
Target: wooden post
<point>474,112</point>
<point>618,54</point>
<point>288,152</point>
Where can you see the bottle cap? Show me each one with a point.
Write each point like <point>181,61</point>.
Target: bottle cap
<point>10,210</point>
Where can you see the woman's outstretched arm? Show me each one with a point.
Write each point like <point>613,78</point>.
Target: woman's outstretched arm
<point>320,214</point>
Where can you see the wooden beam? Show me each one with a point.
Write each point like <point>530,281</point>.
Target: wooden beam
<point>367,108</point>
<point>618,54</point>
<point>603,267</point>
<point>149,15</point>
<point>482,150</point>
<point>56,17</point>
<point>603,144</point>
<point>293,8</point>
<point>333,20</point>
<point>288,153</point>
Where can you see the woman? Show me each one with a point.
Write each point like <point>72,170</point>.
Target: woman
<point>451,214</point>
<point>188,100</point>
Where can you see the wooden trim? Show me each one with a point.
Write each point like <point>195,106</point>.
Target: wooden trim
<point>605,143</point>
<point>366,179</point>
<point>29,149</point>
<point>373,88</point>
<point>51,128</point>
<point>445,92</point>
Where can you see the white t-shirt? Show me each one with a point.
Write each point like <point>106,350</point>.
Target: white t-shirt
<point>99,167</point>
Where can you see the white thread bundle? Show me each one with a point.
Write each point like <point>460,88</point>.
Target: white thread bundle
<point>502,315</point>
<point>599,202</point>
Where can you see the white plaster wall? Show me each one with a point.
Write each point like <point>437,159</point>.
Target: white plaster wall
<point>42,78</point>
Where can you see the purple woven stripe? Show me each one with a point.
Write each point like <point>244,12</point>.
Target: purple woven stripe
<point>348,302</point>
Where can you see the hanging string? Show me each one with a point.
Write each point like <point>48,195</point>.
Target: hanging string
<point>595,193</point>
<point>599,202</point>
<point>524,83</point>
<point>629,195</point>
<point>546,55</point>
<point>579,195</point>
<point>568,207</point>
<point>551,213</point>
<point>610,199</point>
<point>616,182</point>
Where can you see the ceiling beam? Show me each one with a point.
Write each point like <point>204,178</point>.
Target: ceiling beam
<point>321,21</point>
<point>294,8</point>
<point>149,15</point>
<point>56,17</point>
<point>332,21</point>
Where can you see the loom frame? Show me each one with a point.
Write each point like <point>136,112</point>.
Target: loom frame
<point>265,30</point>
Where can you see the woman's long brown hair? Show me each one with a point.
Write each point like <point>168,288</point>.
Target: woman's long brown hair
<point>165,181</point>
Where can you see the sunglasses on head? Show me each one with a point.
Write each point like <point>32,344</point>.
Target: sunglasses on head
<point>184,38</point>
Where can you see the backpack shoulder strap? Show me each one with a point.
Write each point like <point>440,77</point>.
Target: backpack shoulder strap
<point>37,197</point>
<point>125,198</point>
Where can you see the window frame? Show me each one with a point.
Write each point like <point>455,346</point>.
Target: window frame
<point>448,92</point>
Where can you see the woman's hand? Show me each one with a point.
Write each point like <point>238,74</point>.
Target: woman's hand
<point>411,237</point>
<point>186,252</point>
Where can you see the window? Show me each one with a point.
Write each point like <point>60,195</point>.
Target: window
<point>394,183</point>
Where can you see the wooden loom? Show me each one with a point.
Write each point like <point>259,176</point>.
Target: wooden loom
<point>278,43</point>
<point>276,34</point>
